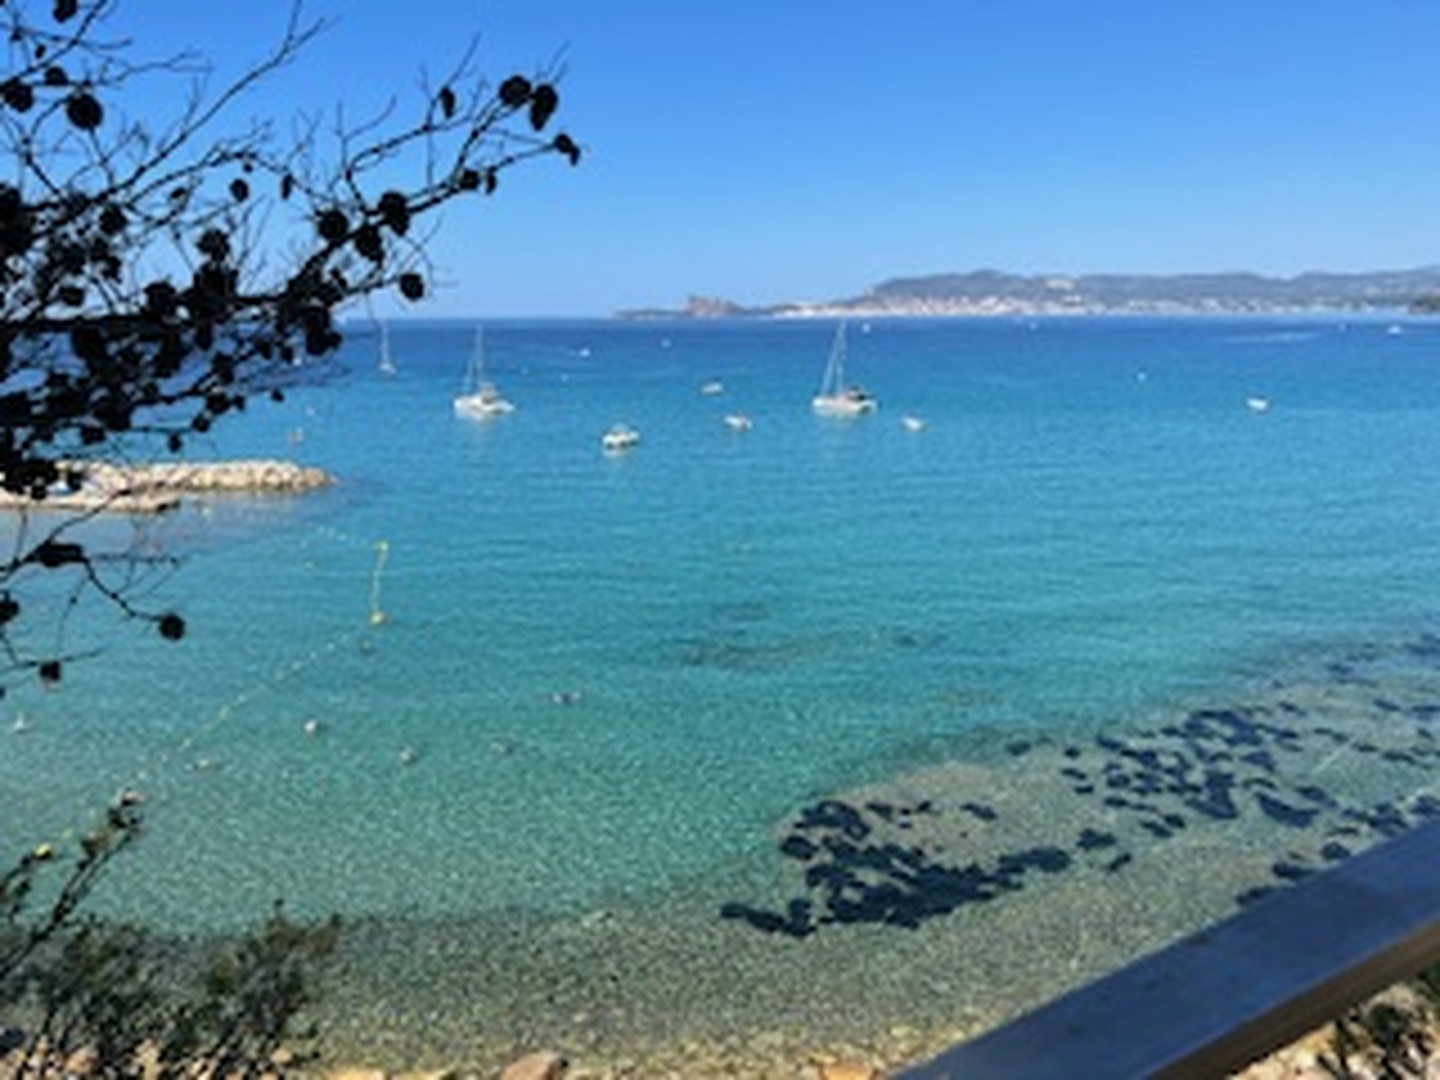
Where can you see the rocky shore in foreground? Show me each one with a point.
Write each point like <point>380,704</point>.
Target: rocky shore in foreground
<point>156,488</point>
<point>1311,1058</point>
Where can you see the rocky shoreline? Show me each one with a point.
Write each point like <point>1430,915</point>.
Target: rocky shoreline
<point>1304,1060</point>
<point>156,488</point>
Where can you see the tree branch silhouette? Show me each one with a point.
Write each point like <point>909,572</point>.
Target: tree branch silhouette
<point>157,276</point>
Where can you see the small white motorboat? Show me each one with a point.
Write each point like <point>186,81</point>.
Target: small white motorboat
<point>619,438</point>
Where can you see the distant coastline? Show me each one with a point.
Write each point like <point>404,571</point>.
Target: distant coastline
<point>993,292</point>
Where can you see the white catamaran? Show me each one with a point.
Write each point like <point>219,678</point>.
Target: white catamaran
<point>480,400</point>
<point>836,397</point>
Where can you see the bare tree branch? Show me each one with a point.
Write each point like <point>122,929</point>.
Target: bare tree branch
<point>146,289</point>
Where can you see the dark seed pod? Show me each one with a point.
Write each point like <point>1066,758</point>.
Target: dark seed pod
<point>515,91</point>
<point>543,103</point>
<point>395,212</point>
<point>84,111</point>
<point>332,225</point>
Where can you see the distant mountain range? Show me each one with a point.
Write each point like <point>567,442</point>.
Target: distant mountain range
<point>992,292</point>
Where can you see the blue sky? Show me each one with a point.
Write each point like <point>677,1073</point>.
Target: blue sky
<point>763,150</point>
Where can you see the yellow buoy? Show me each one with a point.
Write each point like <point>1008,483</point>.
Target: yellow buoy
<point>382,552</point>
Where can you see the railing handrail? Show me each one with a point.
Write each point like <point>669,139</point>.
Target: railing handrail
<point>1218,1000</point>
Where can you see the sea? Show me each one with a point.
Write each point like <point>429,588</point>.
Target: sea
<point>752,743</point>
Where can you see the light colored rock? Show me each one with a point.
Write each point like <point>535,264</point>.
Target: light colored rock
<point>541,1065</point>
<point>355,1073</point>
<point>83,1062</point>
<point>147,1061</point>
<point>159,487</point>
<point>258,475</point>
<point>850,1070</point>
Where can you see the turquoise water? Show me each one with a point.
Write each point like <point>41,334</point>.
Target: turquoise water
<point>605,682</point>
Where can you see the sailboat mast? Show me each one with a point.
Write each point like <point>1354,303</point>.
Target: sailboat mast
<point>386,362</point>
<point>477,361</point>
<point>837,361</point>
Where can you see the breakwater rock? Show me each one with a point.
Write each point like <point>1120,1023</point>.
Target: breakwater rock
<point>155,488</point>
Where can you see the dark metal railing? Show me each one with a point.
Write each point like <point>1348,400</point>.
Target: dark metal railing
<point>1214,1002</point>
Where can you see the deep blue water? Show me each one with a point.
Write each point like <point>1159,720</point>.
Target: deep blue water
<point>600,676</point>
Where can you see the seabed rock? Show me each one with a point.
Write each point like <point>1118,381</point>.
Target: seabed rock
<point>541,1065</point>
<point>850,1070</point>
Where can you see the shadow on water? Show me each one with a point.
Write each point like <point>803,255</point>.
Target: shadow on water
<point>1256,766</point>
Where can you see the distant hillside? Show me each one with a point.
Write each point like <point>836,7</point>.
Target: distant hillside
<point>1181,292</point>
<point>992,292</point>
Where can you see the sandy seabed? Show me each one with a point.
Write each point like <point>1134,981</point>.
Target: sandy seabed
<point>895,919</point>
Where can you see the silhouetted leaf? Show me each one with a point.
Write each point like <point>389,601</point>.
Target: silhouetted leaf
<point>171,626</point>
<point>447,102</point>
<point>395,211</point>
<point>515,91</point>
<point>160,299</point>
<point>543,103</point>
<point>112,220</point>
<point>369,243</point>
<point>66,9</point>
<point>214,244</point>
<point>332,225</point>
<point>412,285</point>
<point>84,111</point>
<point>17,94</point>
<point>566,145</point>
<point>53,554</point>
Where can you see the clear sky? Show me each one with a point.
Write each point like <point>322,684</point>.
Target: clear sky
<point>765,150</point>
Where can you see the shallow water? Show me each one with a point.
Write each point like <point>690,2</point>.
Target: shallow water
<point>561,789</point>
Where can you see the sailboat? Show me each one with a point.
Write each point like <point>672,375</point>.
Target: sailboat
<point>836,397</point>
<point>387,362</point>
<point>480,400</point>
